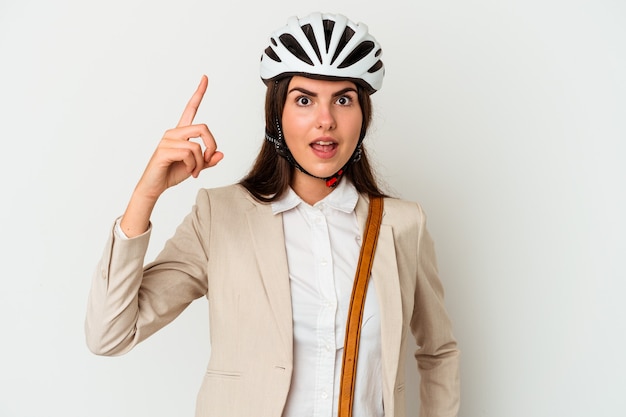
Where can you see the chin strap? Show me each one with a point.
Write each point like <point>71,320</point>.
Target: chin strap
<point>281,148</point>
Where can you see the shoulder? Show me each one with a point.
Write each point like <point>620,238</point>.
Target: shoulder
<point>233,197</point>
<point>224,207</point>
<point>408,222</point>
<point>403,211</point>
<point>229,204</point>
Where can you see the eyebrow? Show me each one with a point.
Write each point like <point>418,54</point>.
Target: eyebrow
<point>312,94</point>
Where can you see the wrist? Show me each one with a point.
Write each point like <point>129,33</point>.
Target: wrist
<point>136,218</point>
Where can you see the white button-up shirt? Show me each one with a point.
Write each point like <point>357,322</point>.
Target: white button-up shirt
<point>323,242</point>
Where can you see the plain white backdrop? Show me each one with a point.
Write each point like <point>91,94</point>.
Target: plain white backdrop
<point>505,119</point>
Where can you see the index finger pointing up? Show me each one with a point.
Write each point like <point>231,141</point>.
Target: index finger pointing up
<point>192,106</point>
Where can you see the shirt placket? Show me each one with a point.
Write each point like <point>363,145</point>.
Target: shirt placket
<point>325,332</point>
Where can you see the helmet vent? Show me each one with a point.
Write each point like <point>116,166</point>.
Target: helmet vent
<point>378,65</point>
<point>347,34</point>
<point>310,35</point>
<point>295,48</point>
<point>271,54</point>
<point>328,32</point>
<point>358,54</point>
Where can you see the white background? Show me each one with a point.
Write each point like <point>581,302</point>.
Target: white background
<point>505,119</point>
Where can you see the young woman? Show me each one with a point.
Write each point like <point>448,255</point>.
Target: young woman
<point>276,254</point>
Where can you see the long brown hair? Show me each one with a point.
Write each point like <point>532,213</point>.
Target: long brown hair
<point>271,173</point>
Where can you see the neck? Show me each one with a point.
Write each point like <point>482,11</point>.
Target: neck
<point>309,189</point>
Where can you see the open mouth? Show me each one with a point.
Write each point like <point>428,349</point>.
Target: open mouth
<point>324,146</point>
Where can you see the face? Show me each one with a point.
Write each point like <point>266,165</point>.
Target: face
<point>321,124</point>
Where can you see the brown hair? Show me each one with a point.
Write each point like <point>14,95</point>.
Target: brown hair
<point>271,173</point>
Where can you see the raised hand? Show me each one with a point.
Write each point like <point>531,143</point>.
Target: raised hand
<point>175,159</point>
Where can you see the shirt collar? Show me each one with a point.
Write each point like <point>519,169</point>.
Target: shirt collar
<point>343,198</point>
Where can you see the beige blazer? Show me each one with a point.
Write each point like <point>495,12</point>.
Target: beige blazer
<point>231,249</point>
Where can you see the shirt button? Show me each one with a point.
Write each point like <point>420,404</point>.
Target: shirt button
<point>324,395</point>
<point>323,262</point>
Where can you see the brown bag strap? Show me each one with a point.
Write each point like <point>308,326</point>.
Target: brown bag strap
<point>355,313</point>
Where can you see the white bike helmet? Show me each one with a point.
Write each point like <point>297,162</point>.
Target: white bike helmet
<point>327,46</point>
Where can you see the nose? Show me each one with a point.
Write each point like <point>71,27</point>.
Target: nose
<point>325,118</point>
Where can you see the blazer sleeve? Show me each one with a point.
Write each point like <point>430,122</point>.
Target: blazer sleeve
<point>129,302</point>
<point>437,354</point>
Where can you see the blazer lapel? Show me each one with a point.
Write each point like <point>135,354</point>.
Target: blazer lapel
<point>266,230</point>
<point>387,283</point>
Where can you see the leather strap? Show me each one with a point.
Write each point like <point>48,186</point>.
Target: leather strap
<point>355,313</point>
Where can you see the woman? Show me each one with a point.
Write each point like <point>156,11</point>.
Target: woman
<point>276,254</point>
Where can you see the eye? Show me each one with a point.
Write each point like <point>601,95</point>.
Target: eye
<point>344,100</point>
<point>303,101</point>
